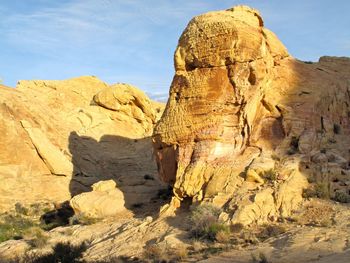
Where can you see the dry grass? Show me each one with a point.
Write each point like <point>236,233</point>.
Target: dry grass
<point>316,213</point>
<point>223,236</point>
<point>154,253</point>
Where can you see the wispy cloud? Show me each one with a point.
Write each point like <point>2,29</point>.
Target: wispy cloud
<point>100,35</point>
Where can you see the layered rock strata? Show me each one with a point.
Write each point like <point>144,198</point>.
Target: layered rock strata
<point>245,120</point>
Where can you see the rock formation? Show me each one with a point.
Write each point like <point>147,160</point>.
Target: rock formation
<point>246,123</point>
<point>60,137</point>
<point>104,200</point>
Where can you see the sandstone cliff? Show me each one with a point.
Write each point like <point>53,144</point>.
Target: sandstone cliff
<point>60,137</point>
<point>246,124</point>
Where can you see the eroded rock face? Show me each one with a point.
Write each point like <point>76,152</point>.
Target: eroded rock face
<point>57,139</point>
<point>238,97</point>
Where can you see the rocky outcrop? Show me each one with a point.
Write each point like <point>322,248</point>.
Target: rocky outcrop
<point>244,118</point>
<point>60,137</point>
<point>104,200</point>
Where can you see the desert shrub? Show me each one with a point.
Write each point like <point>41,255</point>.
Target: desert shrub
<point>319,190</point>
<point>341,197</point>
<point>236,228</point>
<point>179,253</point>
<point>223,236</point>
<point>270,175</point>
<point>205,222</point>
<point>37,237</point>
<point>82,219</point>
<point>308,62</point>
<point>20,209</point>
<point>260,259</point>
<point>155,253</point>
<point>270,231</point>
<point>14,227</point>
<point>318,213</point>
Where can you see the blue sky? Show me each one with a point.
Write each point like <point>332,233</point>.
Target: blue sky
<point>133,41</point>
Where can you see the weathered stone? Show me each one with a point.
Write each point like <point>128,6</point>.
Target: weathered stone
<point>238,97</point>
<point>56,141</point>
<point>104,200</point>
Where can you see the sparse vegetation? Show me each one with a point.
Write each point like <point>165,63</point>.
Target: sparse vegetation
<point>236,228</point>
<point>270,231</point>
<point>260,259</point>
<point>317,213</point>
<point>82,219</point>
<point>14,227</point>
<point>155,253</point>
<point>179,253</point>
<point>319,190</point>
<point>206,223</point>
<point>270,175</point>
<point>341,197</point>
<point>223,236</point>
<point>20,209</point>
<point>37,237</point>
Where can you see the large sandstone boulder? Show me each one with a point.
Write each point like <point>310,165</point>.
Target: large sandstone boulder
<point>104,200</point>
<point>60,137</point>
<point>241,105</point>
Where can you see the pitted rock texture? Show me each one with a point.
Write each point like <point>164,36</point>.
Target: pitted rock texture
<point>60,137</point>
<point>238,97</point>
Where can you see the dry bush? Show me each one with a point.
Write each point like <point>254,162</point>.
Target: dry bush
<point>319,190</point>
<point>270,231</point>
<point>270,175</point>
<point>37,237</point>
<point>179,253</point>
<point>206,223</point>
<point>316,213</point>
<point>155,253</point>
<point>223,236</point>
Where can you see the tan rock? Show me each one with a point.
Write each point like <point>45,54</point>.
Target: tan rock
<point>52,128</point>
<point>252,176</point>
<point>104,200</point>
<point>54,159</point>
<point>236,95</point>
